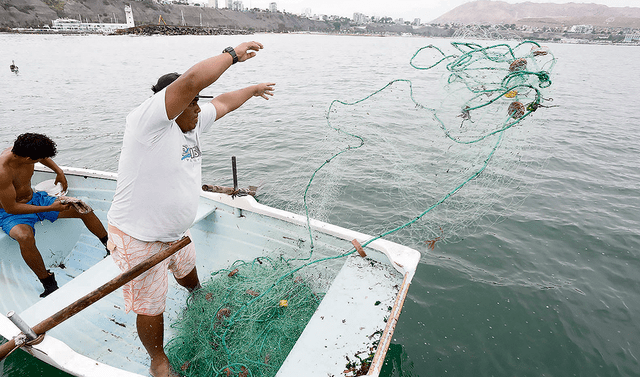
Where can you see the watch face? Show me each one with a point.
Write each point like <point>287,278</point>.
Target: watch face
<point>232,52</point>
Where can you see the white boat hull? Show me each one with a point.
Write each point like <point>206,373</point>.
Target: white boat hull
<point>102,340</point>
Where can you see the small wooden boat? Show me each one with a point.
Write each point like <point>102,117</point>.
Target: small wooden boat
<point>363,298</point>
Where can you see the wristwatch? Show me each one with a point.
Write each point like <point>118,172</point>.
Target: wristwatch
<point>231,52</point>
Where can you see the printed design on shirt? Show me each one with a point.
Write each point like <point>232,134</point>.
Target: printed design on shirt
<point>190,153</point>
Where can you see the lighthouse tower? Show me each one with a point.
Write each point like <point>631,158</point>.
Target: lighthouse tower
<point>129,14</point>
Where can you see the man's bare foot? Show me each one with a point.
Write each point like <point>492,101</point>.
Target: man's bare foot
<point>163,369</point>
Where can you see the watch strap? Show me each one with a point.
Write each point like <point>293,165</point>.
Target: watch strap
<point>231,52</point>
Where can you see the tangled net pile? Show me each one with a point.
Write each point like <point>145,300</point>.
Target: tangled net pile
<point>241,322</point>
<point>451,162</point>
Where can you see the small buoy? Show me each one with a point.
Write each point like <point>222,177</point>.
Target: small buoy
<point>511,93</point>
<point>284,303</point>
<point>516,109</point>
<point>518,65</point>
<point>539,50</point>
<point>235,271</point>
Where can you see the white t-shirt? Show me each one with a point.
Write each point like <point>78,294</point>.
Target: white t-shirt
<point>159,173</point>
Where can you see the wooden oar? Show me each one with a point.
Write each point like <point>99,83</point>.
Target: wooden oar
<point>97,294</point>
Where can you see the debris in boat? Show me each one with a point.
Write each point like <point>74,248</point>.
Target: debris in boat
<point>284,303</point>
<point>362,365</point>
<point>117,323</point>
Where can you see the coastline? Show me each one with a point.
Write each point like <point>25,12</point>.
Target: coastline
<point>149,30</point>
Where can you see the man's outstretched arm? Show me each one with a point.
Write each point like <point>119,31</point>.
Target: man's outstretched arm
<point>182,91</point>
<point>227,102</point>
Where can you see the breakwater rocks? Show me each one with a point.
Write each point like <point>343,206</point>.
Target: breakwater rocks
<point>179,30</point>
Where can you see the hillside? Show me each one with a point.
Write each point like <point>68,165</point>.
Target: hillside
<point>541,14</point>
<point>38,13</point>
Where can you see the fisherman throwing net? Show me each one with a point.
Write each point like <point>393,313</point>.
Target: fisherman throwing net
<point>454,153</point>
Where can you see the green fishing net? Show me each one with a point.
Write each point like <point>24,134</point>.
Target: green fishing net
<point>431,154</point>
<point>245,319</point>
<point>445,152</point>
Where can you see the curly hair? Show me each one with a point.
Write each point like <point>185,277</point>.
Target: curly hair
<point>34,146</point>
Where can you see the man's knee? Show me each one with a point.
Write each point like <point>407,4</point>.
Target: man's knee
<point>23,234</point>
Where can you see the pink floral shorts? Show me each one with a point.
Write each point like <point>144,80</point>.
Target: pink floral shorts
<point>147,293</point>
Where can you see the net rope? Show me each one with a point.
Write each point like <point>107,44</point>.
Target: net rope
<point>452,163</point>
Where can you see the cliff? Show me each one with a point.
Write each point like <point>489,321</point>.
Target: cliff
<point>38,13</point>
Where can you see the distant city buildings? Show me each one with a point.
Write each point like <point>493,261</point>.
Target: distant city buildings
<point>360,19</point>
<point>273,7</point>
<point>237,5</point>
<point>632,37</point>
<point>581,29</point>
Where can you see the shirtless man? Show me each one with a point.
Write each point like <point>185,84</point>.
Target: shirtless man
<point>21,208</point>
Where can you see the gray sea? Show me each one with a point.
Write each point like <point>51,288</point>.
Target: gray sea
<point>552,289</point>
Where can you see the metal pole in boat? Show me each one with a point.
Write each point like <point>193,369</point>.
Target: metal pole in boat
<point>90,298</point>
<point>235,173</point>
<point>22,325</point>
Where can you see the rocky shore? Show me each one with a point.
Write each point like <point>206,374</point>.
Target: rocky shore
<point>178,30</point>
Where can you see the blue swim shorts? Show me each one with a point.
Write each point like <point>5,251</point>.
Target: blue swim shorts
<point>40,198</point>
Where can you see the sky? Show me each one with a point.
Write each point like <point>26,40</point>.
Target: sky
<point>426,10</point>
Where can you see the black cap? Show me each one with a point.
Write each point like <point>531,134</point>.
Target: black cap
<point>164,81</point>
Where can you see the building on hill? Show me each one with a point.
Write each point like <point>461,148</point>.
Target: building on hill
<point>69,24</point>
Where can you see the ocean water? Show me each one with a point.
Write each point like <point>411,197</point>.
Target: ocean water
<point>552,289</point>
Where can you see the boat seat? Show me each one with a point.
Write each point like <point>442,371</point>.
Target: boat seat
<point>85,283</point>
